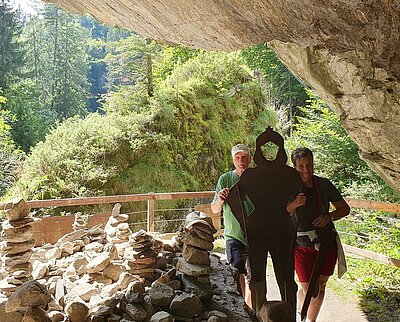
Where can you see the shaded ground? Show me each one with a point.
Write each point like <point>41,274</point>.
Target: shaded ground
<point>227,298</point>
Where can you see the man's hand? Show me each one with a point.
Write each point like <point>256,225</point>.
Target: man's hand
<point>216,206</point>
<point>321,221</point>
<point>222,195</point>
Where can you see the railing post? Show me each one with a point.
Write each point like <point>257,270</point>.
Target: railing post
<point>150,215</point>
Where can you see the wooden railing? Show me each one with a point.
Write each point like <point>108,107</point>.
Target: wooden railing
<point>152,197</point>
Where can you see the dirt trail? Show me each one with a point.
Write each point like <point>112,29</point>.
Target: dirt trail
<point>333,308</point>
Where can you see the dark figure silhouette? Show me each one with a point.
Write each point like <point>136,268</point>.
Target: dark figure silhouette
<point>269,228</point>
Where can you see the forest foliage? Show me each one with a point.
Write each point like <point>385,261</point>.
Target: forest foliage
<point>101,111</point>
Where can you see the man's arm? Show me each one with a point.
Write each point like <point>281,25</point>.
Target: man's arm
<point>216,206</point>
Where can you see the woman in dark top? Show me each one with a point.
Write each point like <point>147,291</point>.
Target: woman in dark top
<point>315,199</point>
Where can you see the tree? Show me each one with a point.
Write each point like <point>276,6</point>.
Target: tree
<point>284,91</point>
<point>336,155</point>
<point>11,50</point>
<point>130,62</point>
<point>31,120</point>
<point>10,157</point>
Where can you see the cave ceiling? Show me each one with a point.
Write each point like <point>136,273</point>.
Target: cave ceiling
<point>348,51</point>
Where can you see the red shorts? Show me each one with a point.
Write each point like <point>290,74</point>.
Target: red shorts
<point>304,259</point>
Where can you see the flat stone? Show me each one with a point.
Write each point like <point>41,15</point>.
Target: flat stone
<point>17,259</point>
<point>195,255</point>
<point>6,224</point>
<point>16,248</point>
<point>16,209</point>
<point>114,270</point>
<point>54,253</point>
<point>19,234</point>
<point>98,264</point>
<point>193,240</point>
<point>192,269</point>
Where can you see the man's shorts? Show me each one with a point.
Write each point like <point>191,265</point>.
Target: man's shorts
<point>304,259</point>
<point>236,254</point>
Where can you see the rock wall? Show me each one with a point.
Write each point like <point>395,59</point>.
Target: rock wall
<point>349,51</point>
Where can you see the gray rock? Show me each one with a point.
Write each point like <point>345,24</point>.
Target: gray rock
<point>135,292</point>
<point>29,294</point>
<point>77,311</point>
<point>136,311</point>
<point>186,305</point>
<point>195,255</point>
<point>193,240</point>
<point>161,294</point>
<point>36,314</point>
<point>9,316</point>
<point>220,316</point>
<point>16,209</point>
<point>192,269</point>
<point>161,316</point>
<point>193,285</point>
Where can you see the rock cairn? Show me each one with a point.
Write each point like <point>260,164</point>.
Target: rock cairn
<point>80,221</point>
<point>194,266</point>
<point>143,257</point>
<point>117,228</point>
<point>16,246</point>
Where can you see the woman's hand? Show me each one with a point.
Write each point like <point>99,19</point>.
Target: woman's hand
<point>321,221</point>
<point>299,201</point>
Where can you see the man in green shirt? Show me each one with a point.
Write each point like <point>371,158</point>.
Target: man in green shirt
<point>235,239</point>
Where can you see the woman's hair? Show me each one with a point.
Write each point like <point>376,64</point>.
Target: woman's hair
<point>301,153</point>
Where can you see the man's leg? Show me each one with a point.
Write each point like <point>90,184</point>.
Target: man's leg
<point>236,254</point>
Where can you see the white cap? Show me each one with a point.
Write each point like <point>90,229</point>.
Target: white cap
<point>240,148</point>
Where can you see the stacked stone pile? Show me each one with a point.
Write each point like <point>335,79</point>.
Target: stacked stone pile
<point>80,221</point>
<point>16,246</point>
<point>141,255</point>
<point>194,266</point>
<point>117,228</point>
<point>83,279</point>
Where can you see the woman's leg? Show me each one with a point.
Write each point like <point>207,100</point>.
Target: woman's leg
<point>316,303</point>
